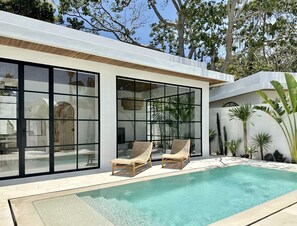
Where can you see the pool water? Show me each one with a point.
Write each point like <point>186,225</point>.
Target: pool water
<point>197,198</point>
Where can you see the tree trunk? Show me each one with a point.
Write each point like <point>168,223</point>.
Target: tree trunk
<point>229,36</point>
<point>180,33</point>
<point>245,137</point>
<point>261,150</point>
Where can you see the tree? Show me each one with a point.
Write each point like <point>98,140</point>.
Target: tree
<point>212,135</point>
<point>284,113</point>
<point>262,141</point>
<point>36,9</point>
<point>242,113</point>
<point>121,18</point>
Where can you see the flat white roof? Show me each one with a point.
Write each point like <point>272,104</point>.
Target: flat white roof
<point>40,32</point>
<point>252,83</point>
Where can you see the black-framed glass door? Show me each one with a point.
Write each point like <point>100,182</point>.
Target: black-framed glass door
<point>42,109</point>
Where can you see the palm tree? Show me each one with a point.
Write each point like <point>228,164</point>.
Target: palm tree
<point>212,136</point>
<point>242,113</point>
<point>262,141</point>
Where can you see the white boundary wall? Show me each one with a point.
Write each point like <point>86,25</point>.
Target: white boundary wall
<point>108,100</point>
<point>261,123</point>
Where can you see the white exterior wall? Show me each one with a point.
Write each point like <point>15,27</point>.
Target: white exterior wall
<point>108,100</point>
<point>252,98</point>
<point>262,123</point>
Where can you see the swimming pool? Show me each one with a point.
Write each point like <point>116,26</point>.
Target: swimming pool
<point>197,198</point>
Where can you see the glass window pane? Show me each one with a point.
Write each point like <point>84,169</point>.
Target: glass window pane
<point>125,114</point>
<point>186,113</point>
<point>8,104</point>
<point>142,112</point>
<point>65,132</point>
<point>36,160</point>
<point>129,129</point>
<point>196,130</point>
<point>37,133</point>
<point>8,76</point>
<point>87,84</point>
<point>64,81</point>
<point>140,131</point>
<point>170,90</point>
<point>65,107</point>
<point>157,90</point>
<point>196,147</point>
<point>157,111</point>
<point>197,113</point>
<point>9,160</point>
<point>8,134</point>
<point>87,108</point>
<point>36,105</point>
<point>196,95</point>
<point>65,158</point>
<point>125,88</point>
<point>36,78</point>
<point>142,90</point>
<point>184,131</point>
<point>88,132</point>
<point>88,156</point>
<point>183,90</point>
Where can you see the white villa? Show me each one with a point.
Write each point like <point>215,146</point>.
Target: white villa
<point>72,101</point>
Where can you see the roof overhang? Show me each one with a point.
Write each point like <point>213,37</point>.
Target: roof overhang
<point>22,32</point>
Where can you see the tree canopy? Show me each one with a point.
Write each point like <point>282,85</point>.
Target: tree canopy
<point>37,9</point>
<point>240,37</point>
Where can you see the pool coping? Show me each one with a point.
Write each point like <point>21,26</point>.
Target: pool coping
<point>24,212</point>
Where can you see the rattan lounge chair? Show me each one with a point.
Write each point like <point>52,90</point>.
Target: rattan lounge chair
<point>140,155</point>
<point>180,152</point>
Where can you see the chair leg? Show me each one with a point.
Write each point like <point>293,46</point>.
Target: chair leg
<point>151,164</point>
<point>162,163</point>
<point>181,164</point>
<point>133,169</point>
<point>112,169</point>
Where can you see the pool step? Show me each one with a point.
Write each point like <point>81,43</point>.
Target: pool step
<point>68,210</point>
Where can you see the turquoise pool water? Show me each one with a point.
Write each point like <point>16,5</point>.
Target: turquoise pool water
<point>197,198</point>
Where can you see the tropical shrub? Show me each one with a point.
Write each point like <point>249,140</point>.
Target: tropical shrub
<point>262,141</point>
<point>242,113</point>
<point>286,108</point>
<point>212,136</point>
<point>233,146</point>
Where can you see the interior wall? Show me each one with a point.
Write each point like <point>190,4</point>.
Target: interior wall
<point>108,73</point>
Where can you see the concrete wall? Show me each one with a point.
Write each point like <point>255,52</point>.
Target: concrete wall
<point>108,102</point>
<point>259,123</point>
<point>252,98</point>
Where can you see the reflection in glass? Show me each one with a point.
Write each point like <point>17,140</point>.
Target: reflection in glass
<point>64,132</point>
<point>196,93</point>
<point>36,78</point>
<point>36,105</point>
<point>141,113</point>
<point>65,81</point>
<point>157,90</point>
<point>8,76</point>
<point>125,88</point>
<point>87,84</point>
<point>87,156</point>
<point>65,107</point>
<point>65,158</point>
<point>170,90</point>
<point>37,133</point>
<point>124,114</point>
<point>87,108</point>
<point>89,133</point>
<point>129,129</point>
<point>36,160</point>
<point>196,147</point>
<point>124,149</point>
<point>9,159</point>
<point>8,104</point>
<point>140,131</point>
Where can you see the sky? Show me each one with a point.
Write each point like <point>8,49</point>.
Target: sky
<point>167,12</point>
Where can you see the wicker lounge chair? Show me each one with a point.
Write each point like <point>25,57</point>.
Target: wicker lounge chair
<point>180,152</point>
<point>140,155</point>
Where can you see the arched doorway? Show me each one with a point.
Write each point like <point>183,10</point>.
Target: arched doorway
<point>64,125</point>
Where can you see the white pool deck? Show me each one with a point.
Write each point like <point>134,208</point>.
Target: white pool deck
<point>279,211</point>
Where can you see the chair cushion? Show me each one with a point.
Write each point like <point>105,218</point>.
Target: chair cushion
<point>169,156</point>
